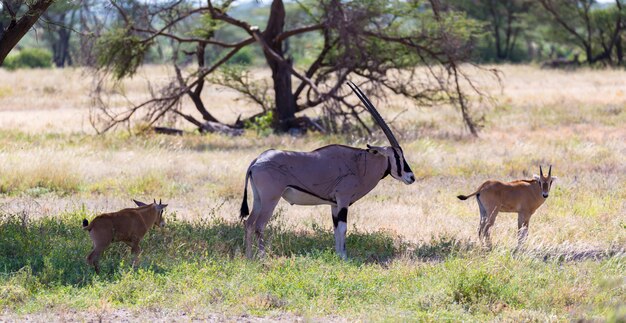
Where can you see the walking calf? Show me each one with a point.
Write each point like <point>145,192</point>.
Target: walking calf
<point>521,196</point>
<point>127,225</point>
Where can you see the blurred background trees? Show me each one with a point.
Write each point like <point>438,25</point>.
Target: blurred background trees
<point>311,48</point>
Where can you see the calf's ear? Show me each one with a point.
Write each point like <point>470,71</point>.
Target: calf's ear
<point>139,203</point>
<point>554,178</point>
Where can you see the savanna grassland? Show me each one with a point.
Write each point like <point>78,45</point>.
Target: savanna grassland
<point>413,250</point>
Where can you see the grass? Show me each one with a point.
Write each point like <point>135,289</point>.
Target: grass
<point>199,266</point>
<point>413,252</point>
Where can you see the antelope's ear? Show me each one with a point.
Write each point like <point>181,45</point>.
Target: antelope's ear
<point>374,149</point>
<point>139,203</point>
<point>554,178</point>
<point>536,177</point>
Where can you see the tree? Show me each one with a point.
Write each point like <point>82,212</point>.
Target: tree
<point>377,43</point>
<point>60,20</point>
<point>597,31</point>
<point>505,21</point>
<point>16,18</point>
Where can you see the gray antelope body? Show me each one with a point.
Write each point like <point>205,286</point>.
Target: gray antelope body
<point>334,175</point>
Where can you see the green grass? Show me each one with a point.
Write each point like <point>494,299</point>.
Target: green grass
<point>199,266</point>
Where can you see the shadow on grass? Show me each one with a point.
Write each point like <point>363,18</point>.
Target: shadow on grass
<point>568,254</point>
<point>54,249</point>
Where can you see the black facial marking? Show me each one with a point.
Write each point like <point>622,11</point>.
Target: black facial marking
<point>388,170</point>
<point>407,169</point>
<point>397,157</point>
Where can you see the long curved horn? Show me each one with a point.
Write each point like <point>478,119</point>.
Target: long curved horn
<point>550,172</point>
<point>379,120</point>
<point>540,171</point>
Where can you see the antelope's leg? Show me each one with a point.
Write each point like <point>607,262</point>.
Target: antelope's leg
<point>483,218</point>
<point>340,223</point>
<point>523,219</point>
<point>135,251</point>
<point>491,219</point>
<point>94,257</point>
<point>262,219</point>
<point>101,240</point>
<point>249,223</point>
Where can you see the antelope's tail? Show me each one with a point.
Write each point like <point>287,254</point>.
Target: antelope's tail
<point>465,197</point>
<point>86,225</point>
<point>245,211</point>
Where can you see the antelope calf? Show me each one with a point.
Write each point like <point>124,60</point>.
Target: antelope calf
<point>521,196</point>
<point>128,225</point>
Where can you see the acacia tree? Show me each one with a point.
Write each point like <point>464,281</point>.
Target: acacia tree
<point>379,44</point>
<point>16,19</point>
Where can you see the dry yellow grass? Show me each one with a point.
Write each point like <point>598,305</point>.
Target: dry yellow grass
<point>573,120</point>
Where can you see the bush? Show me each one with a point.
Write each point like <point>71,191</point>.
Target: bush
<point>244,56</point>
<point>29,58</point>
<point>261,124</point>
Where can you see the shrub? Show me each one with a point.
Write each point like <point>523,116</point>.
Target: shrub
<point>29,58</point>
<point>244,56</point>
<point>261,124</point>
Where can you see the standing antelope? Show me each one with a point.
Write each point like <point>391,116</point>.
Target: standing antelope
<point>127,225</point>
<point>521,196</point>
<point>334,175</point>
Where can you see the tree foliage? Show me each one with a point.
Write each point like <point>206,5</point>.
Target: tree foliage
<point>598,32</point>
<point>377,43</point>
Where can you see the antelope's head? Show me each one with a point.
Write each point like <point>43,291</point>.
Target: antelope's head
<point>160,208</point>
<point>545,182</point>
<point>398,167</point>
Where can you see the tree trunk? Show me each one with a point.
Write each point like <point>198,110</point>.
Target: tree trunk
<point>17,29</point>
<point>284,113</point>
<point>619,51</point>
<point>195,95</point>
<point>61,49</point>
<point>496,29</point>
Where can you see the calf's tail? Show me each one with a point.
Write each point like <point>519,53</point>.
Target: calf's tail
<point>86,225</point>
<point>465,197</point>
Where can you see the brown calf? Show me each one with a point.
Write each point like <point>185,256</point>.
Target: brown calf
<point>127,225</point>
<point>521,196</point>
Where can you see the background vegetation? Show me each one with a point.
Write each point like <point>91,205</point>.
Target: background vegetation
<point>417,259</point>
<point>203,70</point>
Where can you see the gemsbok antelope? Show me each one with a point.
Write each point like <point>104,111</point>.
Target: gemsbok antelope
<point>334,175</point>
<point>521,196</point>
<point>128,225</point>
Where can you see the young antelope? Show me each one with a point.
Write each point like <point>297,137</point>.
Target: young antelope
<point>522,196</point>
<point>128,226</point>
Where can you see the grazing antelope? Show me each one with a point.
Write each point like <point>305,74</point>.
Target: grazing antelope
<point>128,225</point>
<point>521,196</point>
<point>334,175</point>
